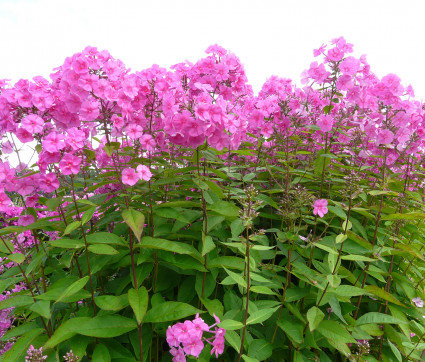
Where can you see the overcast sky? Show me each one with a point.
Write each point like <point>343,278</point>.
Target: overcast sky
<point>270,37</point>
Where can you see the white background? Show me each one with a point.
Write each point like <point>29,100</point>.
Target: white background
<point>270,37</point>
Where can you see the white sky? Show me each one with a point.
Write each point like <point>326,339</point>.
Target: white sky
<point>270,37</point>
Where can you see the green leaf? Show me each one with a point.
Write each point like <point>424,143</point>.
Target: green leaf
<point>101,354</point>
<point>20,347</point>
<point>334,331</point>
<point>41,307</point>
<point>260,349</point>
<point>225,208</point>
<point>207,245</point>
<point>16,301</point>
<point>377,318</point>
<point>349,291</point>
<point>260,315</point>
<point>314,317</point>
<point>71,227</point>
<point>169,311</point>
<point>407,216</point>
<point>395,350</point>
<point>236,277</point>
<point>73,288</point>
<point>293,329</point>
<point>173,246</point>
<point>357,258</point>
<point>233,339</point>
<point>230,262</point>
<point>67,243</point>
<point>135,220</point>
<point>18,258</point>
<point>88,215</point>
<point>107,326</point>
<point>230,325</point>
<point>103,237</point>
<point>138,302</point>
<point>53,204</point>
<point>102,249</point>
<point>111,302</point>
<point>65,331</point>
<point>381,293</point>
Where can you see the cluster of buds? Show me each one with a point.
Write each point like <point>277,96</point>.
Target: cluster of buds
<point>292,202</point>
<point>70,357</point>
<point>248,212</point>
<point>352,185</point>
<point>35,355</point>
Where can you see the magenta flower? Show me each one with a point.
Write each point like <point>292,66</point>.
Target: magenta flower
<point>325,123</point>
<point>418,302</point>
<point>32,123</point>
<point>320,207</point>
<point>70,164</point>
<point>129,176</point>
<point>143,172</point>
<point>49,182</point>
<point>5,202</point>
<point>54,142</point>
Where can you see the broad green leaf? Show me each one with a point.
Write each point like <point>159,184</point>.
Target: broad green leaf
<point>260,315</point>
<point>225,208</point>
<point>349,291</point>
<point>73,288</point>
<point>67,243</point>
<point>65,331</point>
<point>260,349</point>
<point>334,331</point>
<point>396,352</point>
<point>230,262</point>
<point>103,237</point>
<point>54,203</point>
<point>18,258</point>
<point>102,249</point>
<point>233,339</point>
<point>377,318</point>
<point>111,302</point>
<point>381,293</point>
<point>407,216</point>
<point>71,227</point>
<point>41,307</point>
<point>101,354</point>
<point>138,300</point>
<point>169,311</point>
<point>230,325</point>
<point>16,301</point>
<point>19,330</point>
<point>207,245</point>
<point>261,289</point>
<point>293,329</point>
<point>107,326</point>
<point>357,258</point>
<point>135,220</point>
<point>314,317</point>
<point>173,246</point>
<point>88,215</point>
<point>236,277</point>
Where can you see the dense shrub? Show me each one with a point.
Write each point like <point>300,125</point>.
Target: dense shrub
<point>175,211</point>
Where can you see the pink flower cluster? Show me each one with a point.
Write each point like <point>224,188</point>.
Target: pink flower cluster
<point>187,338</point>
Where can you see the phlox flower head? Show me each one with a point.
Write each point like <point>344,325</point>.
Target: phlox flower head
<point>325,123</point>
<point>5,202</point>
<point>32,123</point>
<point>418,302</point>
<point>129,176</point>
<point>70,165</point>
<point>320,207</point>
<point>143,172</point>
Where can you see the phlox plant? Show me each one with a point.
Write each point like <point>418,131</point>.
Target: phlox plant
<point>173,214</point>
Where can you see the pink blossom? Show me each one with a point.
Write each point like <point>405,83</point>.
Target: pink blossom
<point>385,137</point>
<point>5,202</point>
<point>349,66</point>
<point>89,111</point>
<point>75,138</point>
<point>320,207</point>
<point>54,142</point>
<point>325,122</point>
<point>24,136</point>
<point>335,54</point>
<point>25,220</point>
<point>70,164</point>
<point>193,345</point>
<point>218,343</point>
<point>129,176</point>
<point>178,354</point>
<point>32,123</point>
<point>49,182</point>
<point>418,302</point>
<point>143,172</point>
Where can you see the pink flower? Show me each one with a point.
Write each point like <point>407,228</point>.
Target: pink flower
<point>143,172</point>
<point>335,54</point>
<point>32,123</point>
<point>171,337</point>
<point>193,345</point>
<point>26,220</point>
<point>70,164</point>
<point>54,142</point>
<point>89,110</point>
<point>385,137</point>
<point>320,207</point>
<point>75,138</point>
<point>325,122</point>
<point>218,343</point>
<point>349,66</point>
<point>178,354</point>
<point>412,335</point>
<point>49,182</point>
<point>5,202</point>
<point>418,302</point>
<point>129,176</point>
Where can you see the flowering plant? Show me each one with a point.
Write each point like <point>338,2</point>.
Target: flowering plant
<point>288,223</point>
